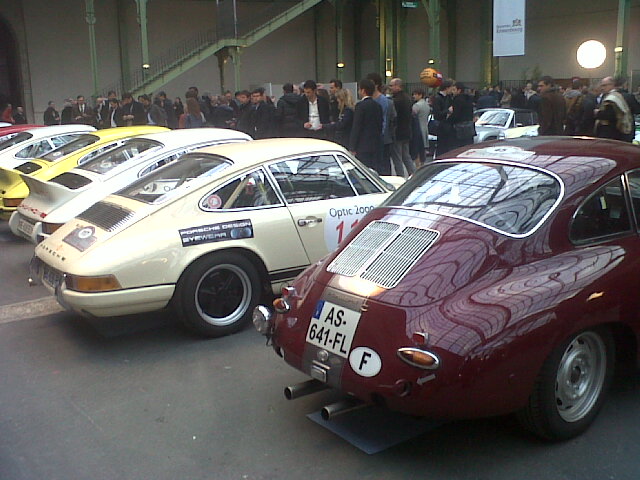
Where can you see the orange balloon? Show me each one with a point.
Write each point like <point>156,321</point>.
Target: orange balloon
<point>431,77</point>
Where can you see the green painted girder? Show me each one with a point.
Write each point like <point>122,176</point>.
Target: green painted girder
<point>194,58</point>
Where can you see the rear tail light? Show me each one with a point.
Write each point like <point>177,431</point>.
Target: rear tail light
<point>417,357</point>
<point>49,228</point>
<point>12,202</point>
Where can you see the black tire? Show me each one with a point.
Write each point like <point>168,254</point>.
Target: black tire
<point>217,294</point>
<point>571,386</point>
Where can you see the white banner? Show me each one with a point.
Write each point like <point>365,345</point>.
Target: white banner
<point>508,27</point>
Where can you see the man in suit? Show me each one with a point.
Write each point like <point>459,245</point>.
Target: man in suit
<point>313,111</point>
<point>262,119</point>
<point>132,112</point>
<point>51,115</point>
<point>114,116</point>
<point>81,112</point>
<point>366,133</point>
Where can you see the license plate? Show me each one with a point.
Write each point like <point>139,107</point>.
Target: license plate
<point>25,227</point>
<point>332,328</point>
<point>51,276</point>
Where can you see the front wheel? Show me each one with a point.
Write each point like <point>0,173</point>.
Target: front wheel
<point>217,294</point>
<point>571,386</point>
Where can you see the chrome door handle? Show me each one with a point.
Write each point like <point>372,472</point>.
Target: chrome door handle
<point>305,222</point>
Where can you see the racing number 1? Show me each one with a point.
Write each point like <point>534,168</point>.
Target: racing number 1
<point>340,229</point>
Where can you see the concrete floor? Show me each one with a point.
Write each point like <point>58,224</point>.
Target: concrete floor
<point>140,398</point>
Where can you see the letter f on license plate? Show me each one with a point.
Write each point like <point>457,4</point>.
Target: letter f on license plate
<point>332,328</point>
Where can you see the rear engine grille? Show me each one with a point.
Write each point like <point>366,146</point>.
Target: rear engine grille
<point>28,167</point>
<point>399,256</point>
<point>106,216</point>
<point>356,254</point>
<point>383,253</point>
<point>70,180</point>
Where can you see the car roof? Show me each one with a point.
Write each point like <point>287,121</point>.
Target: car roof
<point>490,109</point>
<point>182,137</point>
<point>120,132</point>
<point>568,157</point>
<point>50,131</point>
<point>256,152</point>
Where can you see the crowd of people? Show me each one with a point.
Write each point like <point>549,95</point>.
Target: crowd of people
<point>386,128</point>
<point>14,117</point>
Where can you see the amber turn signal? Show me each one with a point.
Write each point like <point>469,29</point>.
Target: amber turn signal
<point>103,283</point>
<point>49,228</point>
<point>281,305</point>
<point>12,202</point>
<point>417,357</point>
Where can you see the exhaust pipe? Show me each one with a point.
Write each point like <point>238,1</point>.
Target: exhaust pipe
<point>304,388</point>
<point>343,406</point>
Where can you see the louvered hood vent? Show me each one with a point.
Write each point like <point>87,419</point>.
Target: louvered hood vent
<point>107,216</point>
<point>28,167</point>
<point>383,253</point>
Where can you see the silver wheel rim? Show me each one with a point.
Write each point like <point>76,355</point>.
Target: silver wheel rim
<point>580,376</point>
<point>223,295</point>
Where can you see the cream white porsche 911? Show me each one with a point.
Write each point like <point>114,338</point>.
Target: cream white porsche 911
<point>211,233</point>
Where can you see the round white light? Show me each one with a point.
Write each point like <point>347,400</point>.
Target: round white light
<point>591,54</point>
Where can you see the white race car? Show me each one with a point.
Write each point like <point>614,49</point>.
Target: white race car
<point>211,232</point>
<point>52,203</point>
<point>37,142</point>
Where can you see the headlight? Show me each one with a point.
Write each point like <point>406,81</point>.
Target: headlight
<point>12,202</point>
<point>101,283</point>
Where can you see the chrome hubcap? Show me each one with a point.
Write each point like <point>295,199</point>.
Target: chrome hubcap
<point>223,295</point>
<point>580,376</point>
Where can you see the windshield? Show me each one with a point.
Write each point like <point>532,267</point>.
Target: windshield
<point>77,144</point>
<point>493,118</point>
<point>511,199</point>
<point>167,182</point>
<point>112,158</point>
<point>14,139</point>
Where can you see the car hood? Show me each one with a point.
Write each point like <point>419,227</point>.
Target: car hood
<point>408,258</point>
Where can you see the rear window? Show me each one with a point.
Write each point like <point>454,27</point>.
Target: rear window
<point>14,140</point>
<point>493,118</point>
<point>119,155</point>
<point>77,144</point>
<point>511,199</point>
<point>172,179</point>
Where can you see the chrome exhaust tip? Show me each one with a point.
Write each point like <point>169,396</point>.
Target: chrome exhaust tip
<point>304,388</point>
<point>343,406</point>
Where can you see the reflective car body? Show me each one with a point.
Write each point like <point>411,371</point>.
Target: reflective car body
<point>13,189</point>
<point>213,231</point>
<point>500,278</point>
<point>52,203</point>
<point>36,142</point>
<point>500,123</point>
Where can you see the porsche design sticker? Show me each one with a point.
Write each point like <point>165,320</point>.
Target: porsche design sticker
<point>218,232</point>
<point>81,238</point>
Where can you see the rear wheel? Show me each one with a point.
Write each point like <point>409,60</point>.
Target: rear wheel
<point>217,294</point>
<point>571,386</point>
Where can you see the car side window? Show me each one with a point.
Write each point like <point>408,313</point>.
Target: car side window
<point>36,150</point>
<point>603,214</point>
<point>307,179</point>
<point>523,119</point>
<point>62,140</point>
<point>160,163</point>
<point>634,189</point>
<point>248,191</point>
<point>98,151</point>
<point>359,180</point>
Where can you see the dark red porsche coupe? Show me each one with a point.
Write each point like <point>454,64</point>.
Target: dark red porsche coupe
<point>504,277</point>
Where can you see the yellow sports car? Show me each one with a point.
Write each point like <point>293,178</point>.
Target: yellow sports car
<point>13,190</point>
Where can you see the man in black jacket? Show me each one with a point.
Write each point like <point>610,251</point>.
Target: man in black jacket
<point>400,148</point>
<point>313,111</point>
<point>51,115</point>
<point>132,111</point>
<point>262,119</point>
<point>366,132</point>
<point>441,104</point>
<point>287,113</point>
